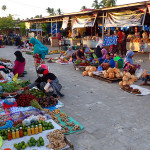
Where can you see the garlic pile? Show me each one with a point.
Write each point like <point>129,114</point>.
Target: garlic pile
<point>112,73</point>
<point>127,79</point>
<point>88,71</point>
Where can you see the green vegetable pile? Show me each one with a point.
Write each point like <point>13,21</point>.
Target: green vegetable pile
<point>14,86</point>
<point>21,145</point>
<point>33,142</point>
<point>37,93</point>
<point>77,62</point>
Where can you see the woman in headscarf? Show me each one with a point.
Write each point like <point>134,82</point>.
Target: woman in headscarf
<point>46,77</point>
<point>19,64</point>
<point>108,62</point>
<point>68,54</point>
<point>39,48</point>
<point>86,48</point>
<point>128,63</point>
<point>104,52</point>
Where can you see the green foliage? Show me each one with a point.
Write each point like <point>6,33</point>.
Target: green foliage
<point>51,11</point>
<point>95,4</point>
<point>83,7</point>
<point>6,23</point>
<point>22,28</point>
<point>103,3</point>
<point>45,28</point>
<point>4,7</point>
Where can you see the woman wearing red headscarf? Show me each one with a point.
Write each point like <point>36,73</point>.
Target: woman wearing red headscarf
<point>45,77</point>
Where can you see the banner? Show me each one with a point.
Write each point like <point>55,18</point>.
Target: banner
<point>110,40</point>
<point>65,22</point>
<point>84,22</point>
<point>126,18</point>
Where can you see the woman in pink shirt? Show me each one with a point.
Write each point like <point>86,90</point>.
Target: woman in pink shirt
<point>19,64</point>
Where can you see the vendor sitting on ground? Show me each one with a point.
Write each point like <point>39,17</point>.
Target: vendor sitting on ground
<point>145,78</point>
<point>45,77</point>
<point>67,55</point>
<point>103,57</point>
<point>86,48</point>
<point>19,64</point>
<point>128,63</point>
<point>79,54</point>
<point>108,62</point>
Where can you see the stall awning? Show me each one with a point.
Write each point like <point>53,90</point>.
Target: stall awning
<point>126,18</point>
<point>84,22</point>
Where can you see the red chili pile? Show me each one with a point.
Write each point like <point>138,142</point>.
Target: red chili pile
<point>24,99</point>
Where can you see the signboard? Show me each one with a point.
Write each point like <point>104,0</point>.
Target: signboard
<point>65,22</point>
<point>126,18</point>
<point>84,22</point>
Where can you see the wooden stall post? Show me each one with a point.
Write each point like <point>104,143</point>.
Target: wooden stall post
<point>103,27</point>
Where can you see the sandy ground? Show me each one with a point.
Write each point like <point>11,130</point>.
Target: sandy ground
<point>113,119</point>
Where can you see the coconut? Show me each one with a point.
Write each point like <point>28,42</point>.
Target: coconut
<point>90,73</point>
<point>110,70</point>
<point>93,69</point>
<point>106,75</point>
<point>87,68</point>
<point>117,75</point>
<point>85,73</point>
<point>124,82</point>
<point>121,83</point>
<point>111,75</point>
<point>125,78</point>
<point>128,74</point>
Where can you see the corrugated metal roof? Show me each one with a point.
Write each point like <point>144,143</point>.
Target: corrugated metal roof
<point>88,12</point>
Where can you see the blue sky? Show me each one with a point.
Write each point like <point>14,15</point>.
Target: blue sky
<point>30,8</point>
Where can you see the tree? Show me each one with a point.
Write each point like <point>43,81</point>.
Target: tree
<point>4,7</point>
<point>108,3</point>
<point>103,3</point>
<point>38,16</point>
<point>111,3</point>
<point>22,28</point>
<point>59,12</point>
<point>83,7</point>
<point>95,4</point>
<point>51,11</point>
<point>6,23</point>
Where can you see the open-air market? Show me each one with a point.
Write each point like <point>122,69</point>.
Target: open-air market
<point>76,80</point>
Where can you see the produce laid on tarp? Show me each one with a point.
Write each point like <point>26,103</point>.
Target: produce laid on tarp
<point>28,114</point>
<point>14,86</point>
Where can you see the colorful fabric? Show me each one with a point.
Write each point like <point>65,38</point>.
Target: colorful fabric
<point>110,40</point>
<point>128,58</point>
<point>39,48</point>
<point>111,62</point>
<point>104,52</point>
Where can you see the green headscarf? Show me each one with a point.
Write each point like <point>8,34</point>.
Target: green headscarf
<point>39,47</point>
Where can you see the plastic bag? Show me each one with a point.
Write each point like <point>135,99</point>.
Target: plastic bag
<point>138,73</point>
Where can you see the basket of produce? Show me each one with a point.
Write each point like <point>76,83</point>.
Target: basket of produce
<point>34,112</point>
<point>48,101</point>
<point>5,117</point>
